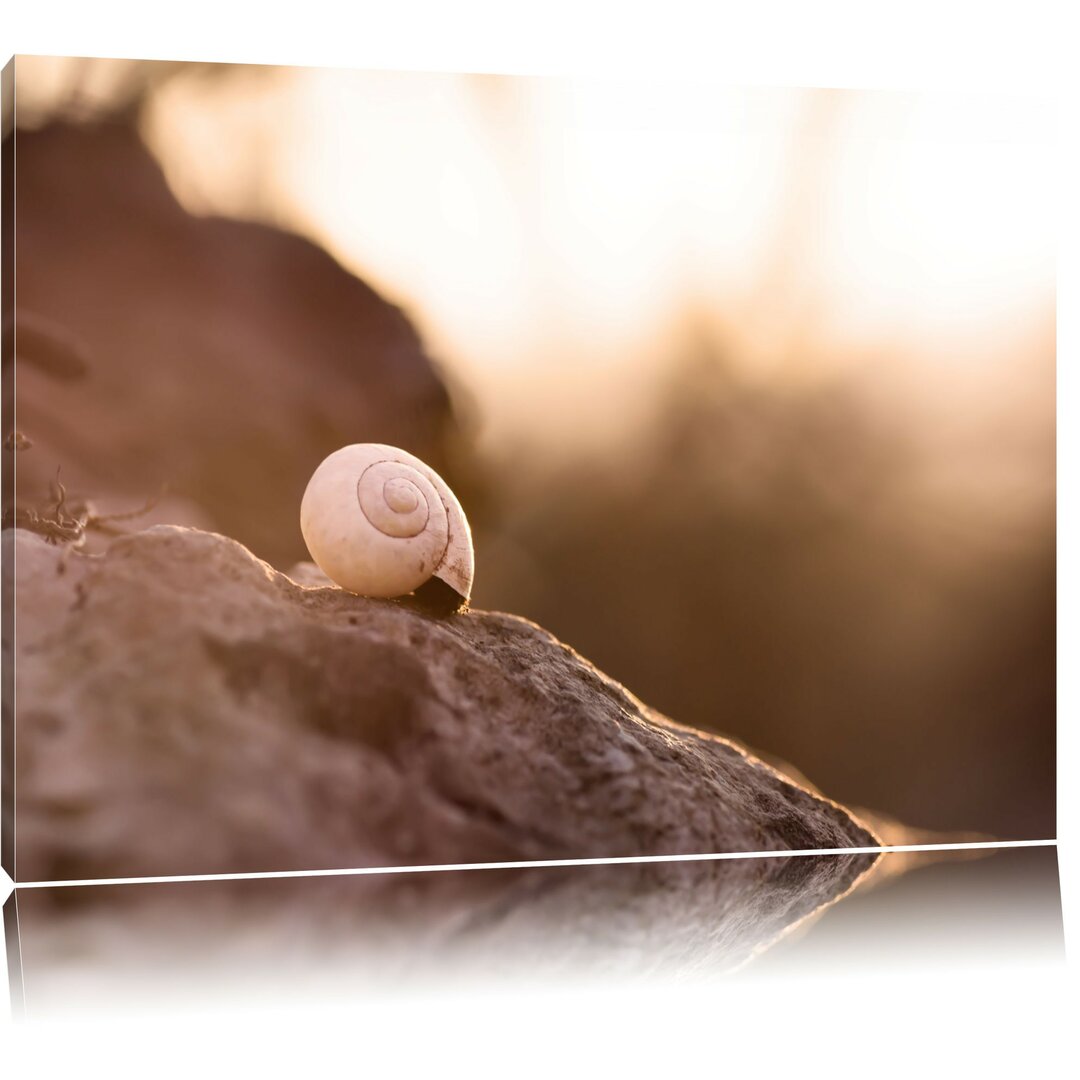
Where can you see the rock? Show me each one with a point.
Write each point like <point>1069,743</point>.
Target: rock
<point>223,359</point>
<point>183,708</point>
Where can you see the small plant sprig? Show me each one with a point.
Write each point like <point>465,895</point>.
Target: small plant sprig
<point>61,524</point>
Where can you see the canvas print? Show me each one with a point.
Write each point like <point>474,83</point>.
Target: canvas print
<point>431,470</point>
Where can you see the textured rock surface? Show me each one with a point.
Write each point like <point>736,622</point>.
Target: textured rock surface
<point>184,708</point>
<point>224,359</point>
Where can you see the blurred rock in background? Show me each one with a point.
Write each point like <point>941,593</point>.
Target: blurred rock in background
<point>220,359</point>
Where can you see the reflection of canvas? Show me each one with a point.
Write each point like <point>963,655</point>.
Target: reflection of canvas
<point>359,937</point>
<point>742,396</point>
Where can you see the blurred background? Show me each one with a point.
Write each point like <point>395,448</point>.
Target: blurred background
<point>748,394</point>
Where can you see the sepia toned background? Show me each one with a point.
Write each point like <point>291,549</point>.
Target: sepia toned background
<point>748,394</point>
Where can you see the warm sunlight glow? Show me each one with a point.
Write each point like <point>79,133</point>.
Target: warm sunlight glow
<point>536,229</point>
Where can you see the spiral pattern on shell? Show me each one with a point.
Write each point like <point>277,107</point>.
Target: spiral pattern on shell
<point>396,499</point>
<point>380,522</point>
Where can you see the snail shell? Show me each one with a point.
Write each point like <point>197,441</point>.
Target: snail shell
<point>379,522</point>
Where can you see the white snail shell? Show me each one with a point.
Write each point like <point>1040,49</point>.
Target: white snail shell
<point>379,522</point>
